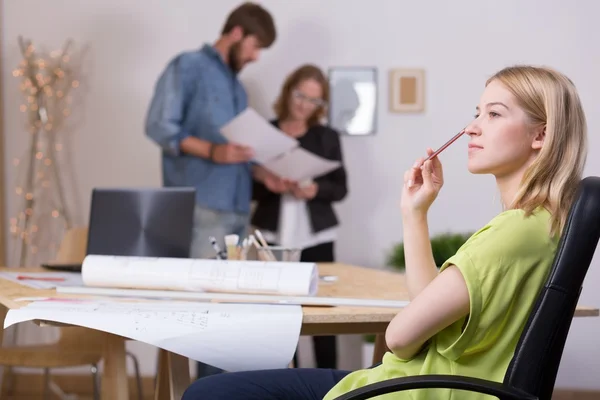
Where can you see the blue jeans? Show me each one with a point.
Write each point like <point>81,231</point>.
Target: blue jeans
<point>215,223</point>
<point>276,384</point>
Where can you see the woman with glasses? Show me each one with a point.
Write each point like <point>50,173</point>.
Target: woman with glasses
<point>300,214</point>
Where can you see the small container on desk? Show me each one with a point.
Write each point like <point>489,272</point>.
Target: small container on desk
<point>278,254</point>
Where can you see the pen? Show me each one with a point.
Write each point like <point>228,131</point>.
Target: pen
<point>215,246</point>
<point>44,278</point>
<point>245,246</point>
<point>328,278</point>
<point>448,143</point>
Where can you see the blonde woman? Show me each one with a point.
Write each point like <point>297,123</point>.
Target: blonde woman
<point>530,133</point>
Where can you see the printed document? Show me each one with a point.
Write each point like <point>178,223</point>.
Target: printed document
<point>300,165</point>
<point>250,129</point>
<point>276,151</point>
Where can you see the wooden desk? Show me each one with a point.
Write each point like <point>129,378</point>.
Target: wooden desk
<point>355,282</point>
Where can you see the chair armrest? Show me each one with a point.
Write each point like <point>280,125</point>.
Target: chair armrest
<point>499,390</point>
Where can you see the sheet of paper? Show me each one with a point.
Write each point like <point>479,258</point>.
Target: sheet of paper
<point>233,337</point>
<point>250,129</point>
<point>233,297</point>
<point>299,164</point>
<point>286,278</point>
<point>44,280</point>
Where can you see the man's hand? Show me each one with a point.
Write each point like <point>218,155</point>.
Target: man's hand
<point>231,153</point>
<point>272,182</point>
<point>277,185</point>
<point>305,192</point>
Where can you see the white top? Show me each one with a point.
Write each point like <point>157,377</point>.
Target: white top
<point>294,226</point>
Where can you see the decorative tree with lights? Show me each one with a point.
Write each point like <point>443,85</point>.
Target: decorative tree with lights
<point>43,213</point>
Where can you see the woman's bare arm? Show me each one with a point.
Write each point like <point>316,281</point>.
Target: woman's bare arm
<point>439,304</point>
<point>419,263</point>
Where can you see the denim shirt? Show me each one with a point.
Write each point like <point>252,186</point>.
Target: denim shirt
<point>196,95</point>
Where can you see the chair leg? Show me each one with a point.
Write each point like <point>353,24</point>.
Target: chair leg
<point>58,392</point>
<point>46,383</point>
<point>138,377</point>
<point>96,382</point>
<point>8,381</point>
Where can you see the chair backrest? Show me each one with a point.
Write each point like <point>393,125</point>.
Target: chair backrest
<point>536,360</point>
<point>73,245</point>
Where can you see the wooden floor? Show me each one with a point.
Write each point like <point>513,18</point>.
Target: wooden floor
<point>30,386</point>
<point>575,395</point>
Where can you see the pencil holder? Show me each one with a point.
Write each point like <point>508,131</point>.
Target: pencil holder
<point>278,253</point>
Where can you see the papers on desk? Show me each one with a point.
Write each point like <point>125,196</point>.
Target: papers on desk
<point>198,275</point>
<point>275,150</point>
<point>44,280</point>
<point>233,337</point>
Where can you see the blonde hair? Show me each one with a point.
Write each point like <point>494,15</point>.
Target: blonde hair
<point>550,100</point>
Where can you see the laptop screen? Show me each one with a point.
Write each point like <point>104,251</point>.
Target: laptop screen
<point>153,222</point>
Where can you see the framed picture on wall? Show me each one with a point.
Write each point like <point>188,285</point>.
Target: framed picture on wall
<point>353,100</point>
<point>407,90</point>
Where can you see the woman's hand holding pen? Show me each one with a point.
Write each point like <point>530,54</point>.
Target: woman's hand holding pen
<point>422,183</point>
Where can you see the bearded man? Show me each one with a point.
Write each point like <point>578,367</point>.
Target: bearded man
<point>197,93</point>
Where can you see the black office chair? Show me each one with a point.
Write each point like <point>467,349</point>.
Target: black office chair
<point>532,371</point>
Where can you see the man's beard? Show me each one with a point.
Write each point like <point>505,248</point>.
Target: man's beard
<point>235,63</point>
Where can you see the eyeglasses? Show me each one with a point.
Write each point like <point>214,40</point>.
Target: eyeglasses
<point>298,95</point>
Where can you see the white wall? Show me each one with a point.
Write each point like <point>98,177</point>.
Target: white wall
<point>458,43</point>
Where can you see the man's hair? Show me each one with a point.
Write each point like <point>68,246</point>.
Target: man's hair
<point>254,20</point>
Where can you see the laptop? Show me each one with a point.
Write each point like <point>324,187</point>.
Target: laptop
<point>152,222</point>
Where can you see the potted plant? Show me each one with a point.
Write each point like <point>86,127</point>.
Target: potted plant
<point>443,246</point>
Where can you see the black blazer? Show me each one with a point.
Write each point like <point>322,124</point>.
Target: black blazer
<point>322,141</point>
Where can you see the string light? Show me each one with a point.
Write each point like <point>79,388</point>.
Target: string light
<point>46,81</point>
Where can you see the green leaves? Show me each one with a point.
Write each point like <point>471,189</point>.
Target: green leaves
<point>443,246</point>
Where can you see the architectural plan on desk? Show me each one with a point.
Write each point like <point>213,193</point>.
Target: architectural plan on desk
<point>233,337</point>
<point>200,275</point>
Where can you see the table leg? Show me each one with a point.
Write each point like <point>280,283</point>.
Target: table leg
<point>114,376</point>
<point>173,376</point>
<point>7,376</point>
<point>380,348</point>
<point>3,312</point>
<point>162,387</point>
<point>3,370</point>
